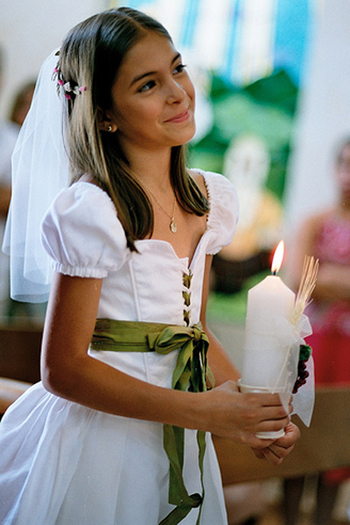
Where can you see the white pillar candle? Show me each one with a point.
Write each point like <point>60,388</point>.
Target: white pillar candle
<point>264,353</point>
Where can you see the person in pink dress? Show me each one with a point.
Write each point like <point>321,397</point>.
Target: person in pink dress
<point>326,236</point>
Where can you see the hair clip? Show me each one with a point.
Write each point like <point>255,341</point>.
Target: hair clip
<point>67,86</point>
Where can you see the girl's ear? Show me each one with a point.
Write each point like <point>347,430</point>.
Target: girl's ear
<point>105,123</point>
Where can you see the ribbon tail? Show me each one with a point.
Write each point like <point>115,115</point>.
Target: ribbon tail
<point>176,516</point>
<point>190,370</point>
<point>198,379</point>
<point>201,452</point>
<point>174,448</point>
<point>173,438</point>
<point>179,513</point>
<point>183,372</point>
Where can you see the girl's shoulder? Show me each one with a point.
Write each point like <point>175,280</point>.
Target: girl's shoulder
<point>220,191</point>
<point>82,233</point>
<point>223,202</point>
<point>83,204</point>
<point>209,179</point>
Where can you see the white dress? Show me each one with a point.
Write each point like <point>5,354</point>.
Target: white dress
<point>64,464</point>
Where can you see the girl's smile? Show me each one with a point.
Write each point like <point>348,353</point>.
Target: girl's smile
<point>181,117</point>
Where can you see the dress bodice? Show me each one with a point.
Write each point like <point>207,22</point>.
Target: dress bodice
<point>84,237</point>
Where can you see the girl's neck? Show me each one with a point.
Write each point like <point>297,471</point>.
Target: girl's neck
<point>152,169</point>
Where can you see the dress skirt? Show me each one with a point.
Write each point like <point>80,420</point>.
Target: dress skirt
<point>62,463</point>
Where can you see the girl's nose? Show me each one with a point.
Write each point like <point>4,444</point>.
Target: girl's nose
<point>176,92</point>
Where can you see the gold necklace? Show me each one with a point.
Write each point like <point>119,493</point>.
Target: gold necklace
<point>172,225</point>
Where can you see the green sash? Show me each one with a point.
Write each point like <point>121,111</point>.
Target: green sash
<point>190,372</point>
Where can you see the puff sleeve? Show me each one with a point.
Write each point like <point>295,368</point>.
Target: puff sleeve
<point>223,216</point>
<point>82,233</point>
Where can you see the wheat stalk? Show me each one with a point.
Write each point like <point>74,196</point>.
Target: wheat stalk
<point>306,287</point>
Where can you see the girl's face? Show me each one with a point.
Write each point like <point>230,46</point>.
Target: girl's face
<point>153,97</point>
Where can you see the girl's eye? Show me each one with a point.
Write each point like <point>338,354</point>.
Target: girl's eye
<point>179,68</point>
<point>146,87</point>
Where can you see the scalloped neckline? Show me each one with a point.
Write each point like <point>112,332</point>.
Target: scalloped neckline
<point>186,260</point>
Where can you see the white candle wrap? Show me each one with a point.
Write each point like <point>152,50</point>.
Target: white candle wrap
<point>272,344</point>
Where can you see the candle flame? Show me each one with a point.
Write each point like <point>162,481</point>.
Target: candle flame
<point>277,258</point>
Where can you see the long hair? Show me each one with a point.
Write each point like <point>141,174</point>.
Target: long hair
<point>91,56</point>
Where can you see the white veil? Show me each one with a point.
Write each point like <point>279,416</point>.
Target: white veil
<point>40,170</point>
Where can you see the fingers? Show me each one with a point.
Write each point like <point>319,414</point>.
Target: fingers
<point>270,403</point>
<point>240,416</point>
<point>292,434</point>
<point>264,417</point>
<point>274,425</point>
<point>271,415</point>
<point>275,454</point>
<point>258,453</point>
<point>279,449</point>
<point>271,457</point>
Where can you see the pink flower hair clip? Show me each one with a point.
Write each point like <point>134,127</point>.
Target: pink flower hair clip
<point>69,89</point>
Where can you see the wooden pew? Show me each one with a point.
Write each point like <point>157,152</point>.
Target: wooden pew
<point>19,361</point>
<point>323,446</point>
<point>10,390</point>
<point>20,352</point>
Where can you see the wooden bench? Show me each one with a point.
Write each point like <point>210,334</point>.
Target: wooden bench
<point>20,352</point>
<point>10,390</point>
<point>19,361</point>
<point>323,446</point>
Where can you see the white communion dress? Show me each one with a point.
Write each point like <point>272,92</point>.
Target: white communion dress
<point>62,463</point>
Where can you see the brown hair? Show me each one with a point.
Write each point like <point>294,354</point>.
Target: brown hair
<point>91,56</point>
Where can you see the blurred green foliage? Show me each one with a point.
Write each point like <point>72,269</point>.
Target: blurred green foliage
<point>264,108</point>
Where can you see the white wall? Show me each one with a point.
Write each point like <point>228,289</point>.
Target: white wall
<point>324,117</point>
<point>30,30</point>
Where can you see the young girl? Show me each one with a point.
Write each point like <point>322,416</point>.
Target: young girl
<point>101,439</point>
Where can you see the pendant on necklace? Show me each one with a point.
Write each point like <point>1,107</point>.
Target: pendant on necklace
<point>173,226</point>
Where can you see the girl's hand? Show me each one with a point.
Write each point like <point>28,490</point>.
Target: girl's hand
<point>238,416</point>
<point>276,452</point>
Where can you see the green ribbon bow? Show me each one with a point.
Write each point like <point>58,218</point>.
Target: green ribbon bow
<point>190,372</point>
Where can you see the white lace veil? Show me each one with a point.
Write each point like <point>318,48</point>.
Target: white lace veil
<point>39,171</point>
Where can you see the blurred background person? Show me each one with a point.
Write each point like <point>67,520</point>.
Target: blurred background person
<point>326,236</point>
<point>21,103</point>
<point>15,310</point>
<point>8,137</point>
<point>246,165</point>
<point>9,128</point>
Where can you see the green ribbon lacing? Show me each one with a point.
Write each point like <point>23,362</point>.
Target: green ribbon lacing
<point>191,372</point>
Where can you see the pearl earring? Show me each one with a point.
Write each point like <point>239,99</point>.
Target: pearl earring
<point>109,129</point>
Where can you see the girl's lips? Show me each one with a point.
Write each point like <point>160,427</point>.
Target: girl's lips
<point>181,117</point>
